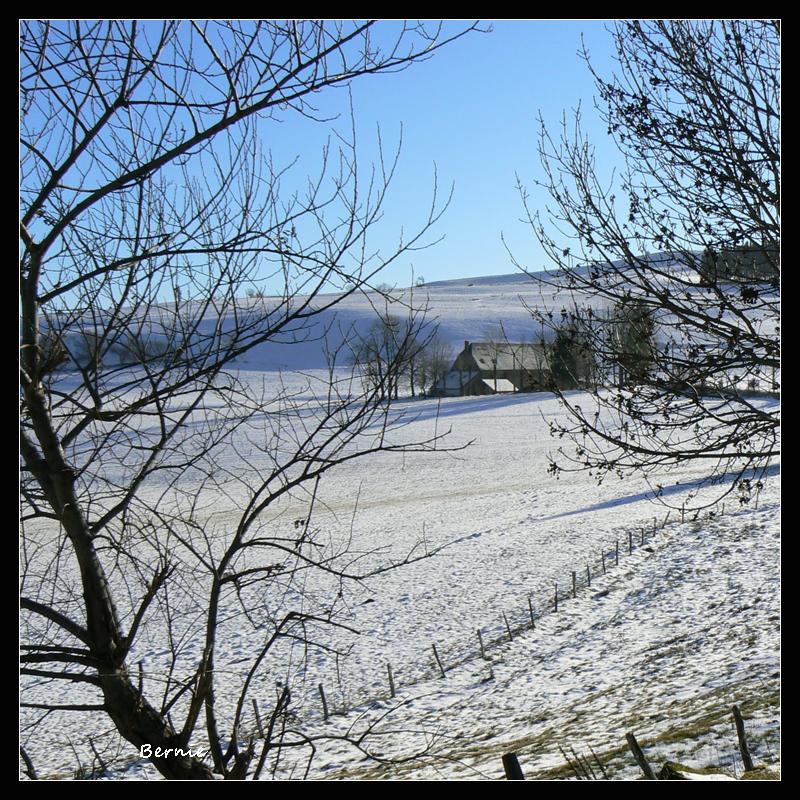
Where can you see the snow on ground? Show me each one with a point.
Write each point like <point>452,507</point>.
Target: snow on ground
<point>683,632</point>
<point>661,645</point>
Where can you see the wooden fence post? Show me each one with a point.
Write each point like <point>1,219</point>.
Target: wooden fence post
<point>512,768</point>
<point>639,756</point>
<point>480,642</point>
<point>588,575</point>
<point>616,554</point>
<point>438,660</point>
<point>508,628</point>
<point>574,584</point>
<point>747,761</point>
<point>630,542</point>
<point>555,603</point>
<point>324,702</point>
<point>391,679</point>
<point>533,619</point>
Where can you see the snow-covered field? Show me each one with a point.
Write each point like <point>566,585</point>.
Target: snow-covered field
<point>661,644</point>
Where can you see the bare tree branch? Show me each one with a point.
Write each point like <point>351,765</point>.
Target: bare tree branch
<point>149,211</point>
<point>685,239</point>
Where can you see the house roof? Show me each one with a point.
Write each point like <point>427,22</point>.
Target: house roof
<point>508,356</point>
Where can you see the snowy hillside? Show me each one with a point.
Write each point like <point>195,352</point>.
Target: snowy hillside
<point>494,307</point>
<point>663,645</point>
<point>469,309</point>
<point>680,621</point>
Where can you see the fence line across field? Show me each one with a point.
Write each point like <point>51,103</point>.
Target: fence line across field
<point>506,629</point>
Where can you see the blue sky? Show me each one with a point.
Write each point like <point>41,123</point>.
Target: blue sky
<point>471,110</point>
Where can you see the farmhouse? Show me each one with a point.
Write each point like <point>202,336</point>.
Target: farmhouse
<point>496,367</point>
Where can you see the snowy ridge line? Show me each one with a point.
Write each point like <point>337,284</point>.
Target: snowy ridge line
<point>635,538</point>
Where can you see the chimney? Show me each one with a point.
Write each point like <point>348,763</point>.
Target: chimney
<point>467,346</point>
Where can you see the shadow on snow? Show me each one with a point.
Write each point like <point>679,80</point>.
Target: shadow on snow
<point>666,491</point>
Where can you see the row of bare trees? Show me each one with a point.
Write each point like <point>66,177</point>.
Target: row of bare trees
<point>401,353</point>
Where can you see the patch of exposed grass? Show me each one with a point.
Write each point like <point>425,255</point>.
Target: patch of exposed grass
<point>761,774</point>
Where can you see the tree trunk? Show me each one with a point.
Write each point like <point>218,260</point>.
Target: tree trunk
<point>135,719</point>
<point>140,724</point>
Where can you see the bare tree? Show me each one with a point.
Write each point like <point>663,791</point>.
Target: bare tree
<point>434,362</point>
<point>689,235</point>
<point>389,353</point>
<point>149,491</point>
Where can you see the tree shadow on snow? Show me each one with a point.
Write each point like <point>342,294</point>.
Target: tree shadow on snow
<point>456,406</point>
<point>666,491</point>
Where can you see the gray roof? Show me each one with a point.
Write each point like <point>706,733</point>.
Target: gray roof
<point>508,355</point>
